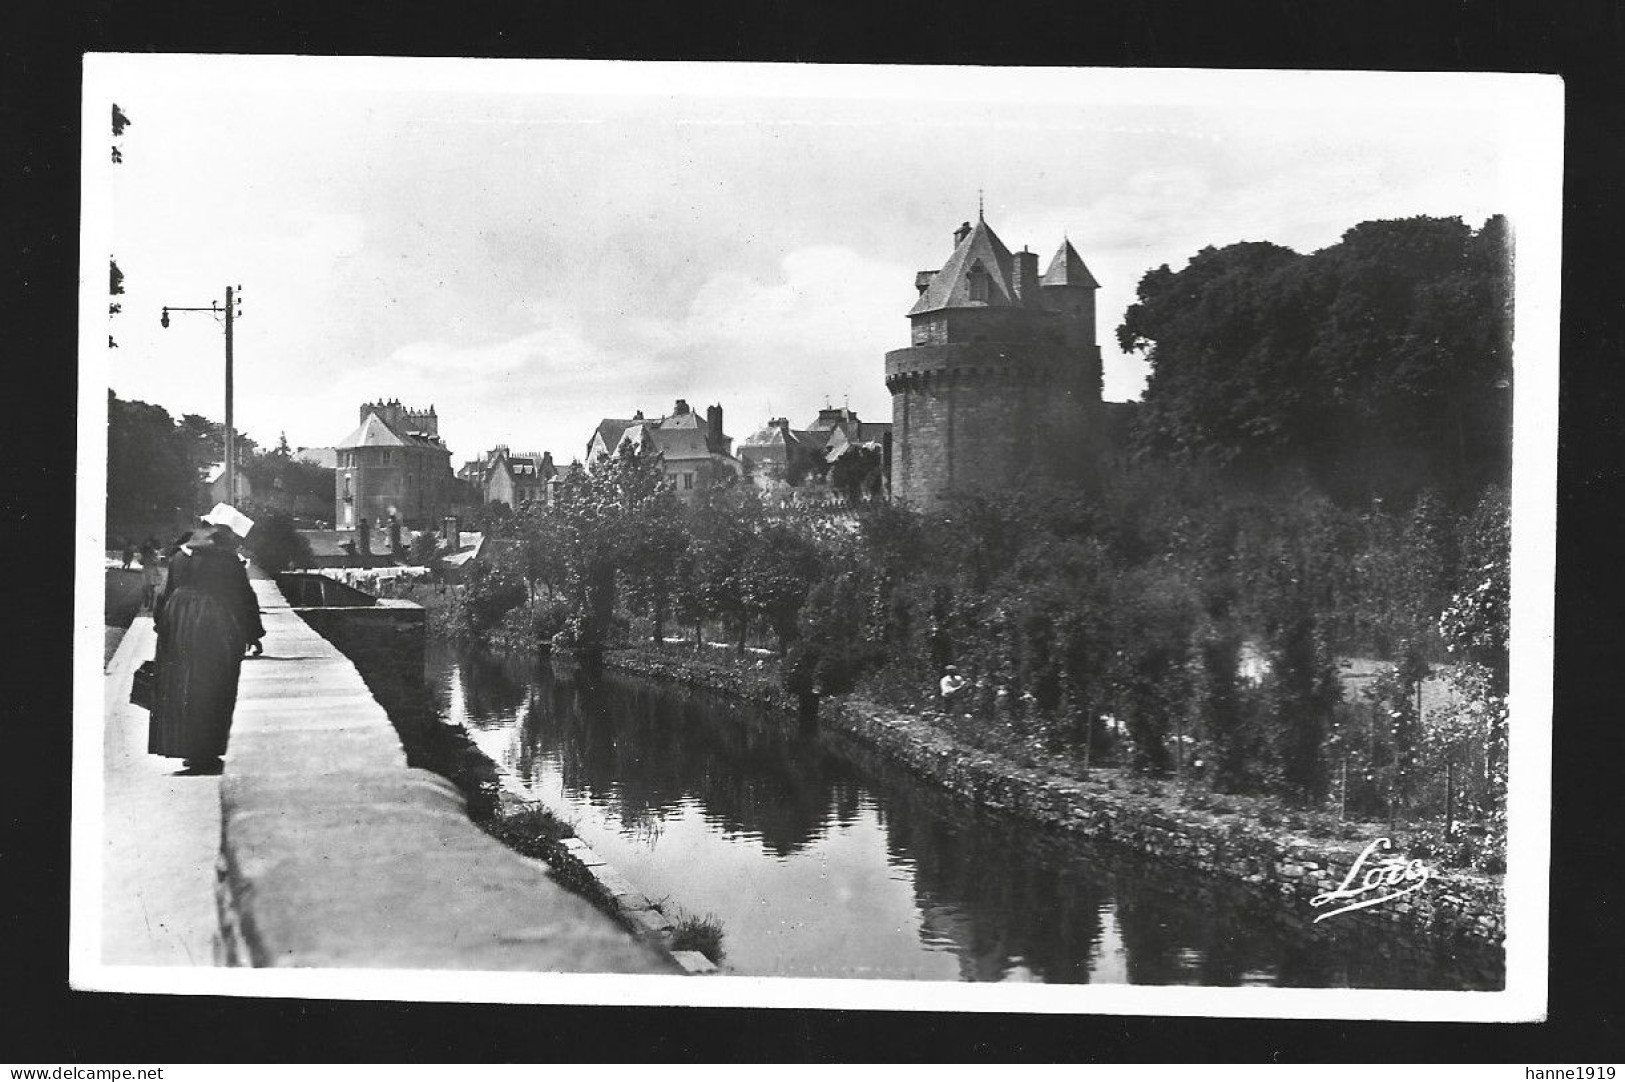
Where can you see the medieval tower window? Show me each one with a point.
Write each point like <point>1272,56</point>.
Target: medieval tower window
<point>977,280</point>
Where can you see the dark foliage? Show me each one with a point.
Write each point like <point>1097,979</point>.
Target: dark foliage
<point>1379,365</point>
<point>275,543</point>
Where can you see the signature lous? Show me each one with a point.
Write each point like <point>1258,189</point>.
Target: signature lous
<point>1385,875</point>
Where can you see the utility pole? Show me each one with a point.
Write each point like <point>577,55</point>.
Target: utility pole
<point>233,299</point>
<point>231,430</point>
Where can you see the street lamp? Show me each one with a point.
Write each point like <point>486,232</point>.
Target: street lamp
<point>233,300</point>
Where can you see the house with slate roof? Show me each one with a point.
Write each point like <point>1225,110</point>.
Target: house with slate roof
<point>1002,374</point>
<point>779,454</point>
<point>696,453</point>
<point>512,478</point>
<point>393,464</point>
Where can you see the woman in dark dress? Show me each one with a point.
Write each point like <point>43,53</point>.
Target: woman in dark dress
<point>205,618</point>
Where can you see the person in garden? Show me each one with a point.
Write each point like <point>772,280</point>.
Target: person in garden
<point>951,685</point>
<point>206,616</point>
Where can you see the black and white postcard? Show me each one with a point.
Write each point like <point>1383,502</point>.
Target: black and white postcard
<point>953,538</point>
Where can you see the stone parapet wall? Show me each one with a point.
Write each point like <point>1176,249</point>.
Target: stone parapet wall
<point>389,636</point>
<point>1275,861</point>
<point>334,853</point>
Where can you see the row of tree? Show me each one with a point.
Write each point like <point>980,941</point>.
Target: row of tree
<point>1205,618</point>
<point>617,540</point>
<point>156,466</point>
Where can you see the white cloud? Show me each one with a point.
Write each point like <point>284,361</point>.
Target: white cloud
<point>532,262</point>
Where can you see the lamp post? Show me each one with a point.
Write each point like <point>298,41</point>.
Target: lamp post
<point>233,299</point>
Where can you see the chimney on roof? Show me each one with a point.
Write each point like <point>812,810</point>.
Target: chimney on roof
<point>1026,283</point>
<point>961,233</point>
<point>638,416</point>
<point>681,408</point>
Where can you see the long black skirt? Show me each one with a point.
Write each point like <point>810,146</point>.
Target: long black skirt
<point>200,654</point>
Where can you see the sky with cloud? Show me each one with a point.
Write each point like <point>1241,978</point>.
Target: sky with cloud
<point>531,246</point>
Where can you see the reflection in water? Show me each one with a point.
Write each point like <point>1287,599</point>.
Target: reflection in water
<point>822,860</point>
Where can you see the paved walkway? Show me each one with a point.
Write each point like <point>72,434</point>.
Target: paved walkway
<point>161,834</point>
<point>326,848</point>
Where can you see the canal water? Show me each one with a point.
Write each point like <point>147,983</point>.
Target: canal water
<point>822,861</point>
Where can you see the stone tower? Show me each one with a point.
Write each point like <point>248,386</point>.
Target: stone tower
<point>1004,373</point>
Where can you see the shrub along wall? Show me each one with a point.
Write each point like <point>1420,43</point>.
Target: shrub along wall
<point>1454,905</point>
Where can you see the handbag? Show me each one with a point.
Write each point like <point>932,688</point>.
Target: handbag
<point>144,688</point>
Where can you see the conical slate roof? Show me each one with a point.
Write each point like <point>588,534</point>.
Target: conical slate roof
<point>372,433</point>
<point>950,288</point>
<point>1067,269</point>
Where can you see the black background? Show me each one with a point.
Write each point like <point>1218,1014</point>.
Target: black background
<point>44,1023</point>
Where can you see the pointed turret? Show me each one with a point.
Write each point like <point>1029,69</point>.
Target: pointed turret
<point>1067,269</point>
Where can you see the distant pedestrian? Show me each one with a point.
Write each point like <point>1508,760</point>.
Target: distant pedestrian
<point>206,616</point>
<point>129,554</point>
<point>151,574</point>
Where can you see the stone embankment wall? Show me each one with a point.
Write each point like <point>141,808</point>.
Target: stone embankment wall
<point>388,637</point>
<point>385,641</point>
<point>334,852</point>
<point>1272,860</point>
<point>579,867</point>
<point>693,673</point>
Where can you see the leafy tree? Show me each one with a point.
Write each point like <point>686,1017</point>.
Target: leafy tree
<point>858,474</point>
<point>280,480</point>
<point>1303,693</point>
<point>779,567</point>
<point>652,545</point>
<point>1475,627</point>
<point>1343,362</point>
<point>490,593</point>
<point>1236,751</point>
<point>425,547</point>
<point>722,529</point>
<point>495,519</point>
<point>607,517</point>
<point>150,474</point>
<point>275,543</point>
<point>1396,695</point>
<point>206,442</point>
<point>1154,615</point>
